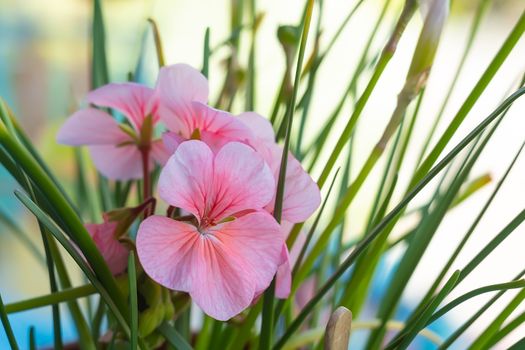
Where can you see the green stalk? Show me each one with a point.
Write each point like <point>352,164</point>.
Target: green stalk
<point>482,8</point>
<point>133,304</point>
<point>65,295</point>
<point>266,337</point>
<point>418,245</point>
<point>85,339</point>
<point>173,337</point>
<point>250,83</point>
<point>393,215</point>
<point>206,54</point>
<point>387,53</point>
<point>469,233</point>
<point>474,95</point>
<point>479,291</point>
<point>459,331</point>
<point>74,226</point>
<point>158,42</point>
<point>497,323</point>
<point>32,338</point>
<point>420,322</point>
<point>503,332</point>
<point>7,327</point>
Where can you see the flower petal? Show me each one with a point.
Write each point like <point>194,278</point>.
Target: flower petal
<point>131,99</point>
<point>257,239</point>
<point>283,279</point>
<point>177,86</point>
<point>115,253</point>
<point>165,248</point>
<point>117,162</point>
<point>242,180</point>
<point>159,152</point>
<point>90,127</point>
<point>175,255</point>
<point>259,125</point>
<point>185,181</point>
<point>301,194</point>
<point>172,141</point>
<point>217,127</point>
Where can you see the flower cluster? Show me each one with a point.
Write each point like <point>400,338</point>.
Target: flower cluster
<point>218,168</point>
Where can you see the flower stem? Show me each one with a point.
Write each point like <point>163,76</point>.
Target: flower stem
<point>146,185</point>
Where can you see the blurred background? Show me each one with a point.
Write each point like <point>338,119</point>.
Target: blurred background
<point>44,74</point>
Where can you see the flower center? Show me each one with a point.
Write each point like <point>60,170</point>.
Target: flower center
<point>204,225</point>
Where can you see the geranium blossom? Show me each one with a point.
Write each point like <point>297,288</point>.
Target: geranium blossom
<point>114,252</point>
<point>301,194</point>
<point>232,248</point>
<point>182,93</point>
<point>117,149</point>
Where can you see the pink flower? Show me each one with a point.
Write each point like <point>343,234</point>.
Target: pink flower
<point>114,252</point>
<point>301,193</point>
<point>232,248</point>
<point>116,150</point>
<point>283,278</point>
<point>182,92</point>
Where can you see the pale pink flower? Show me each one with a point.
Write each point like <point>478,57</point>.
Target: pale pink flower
<point>114,252</point>
<point>115,152</point>
<point>232,248</point>
<point>182,92</point>
<point>301,194</point>
<point>283,278</point>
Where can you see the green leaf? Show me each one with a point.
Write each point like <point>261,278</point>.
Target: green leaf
<point>173,337</point>
<point>158,42</point>
<point>474,95</point>
<point>495,326</point>
<point>475,293</point>
<point>32,340</point>
<point>7,326</point>
<point>133,305</point>
<point>58,234</point>
<point>206,54</point>
<point>393,215</point>
<point>70,221</point>
<point>62,296</point>
<point>459,331</point>
<point>266,337</point>
<point>387,53</point>
<point>99,65</point>
<point>422,320</point>
<point>478,16</point>
<point>503,332</point>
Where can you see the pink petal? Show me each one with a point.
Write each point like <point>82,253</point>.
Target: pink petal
<point>305,292</point>
<point>217,127</point>
<point>177,86</point>
<point>165,248</point>
<point>259,125</point>
<point>185,181</point>
<point>258,240</point>
<point>90,127</point>
<point>301,194</point>
<point>159,152</point>
<point>131,99</point>
<point>115,253</point>
<point>242,180</point>
<point>220,267</point>
<point>117,162</point>
<point>283,279</point>
<point>172,141</point>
